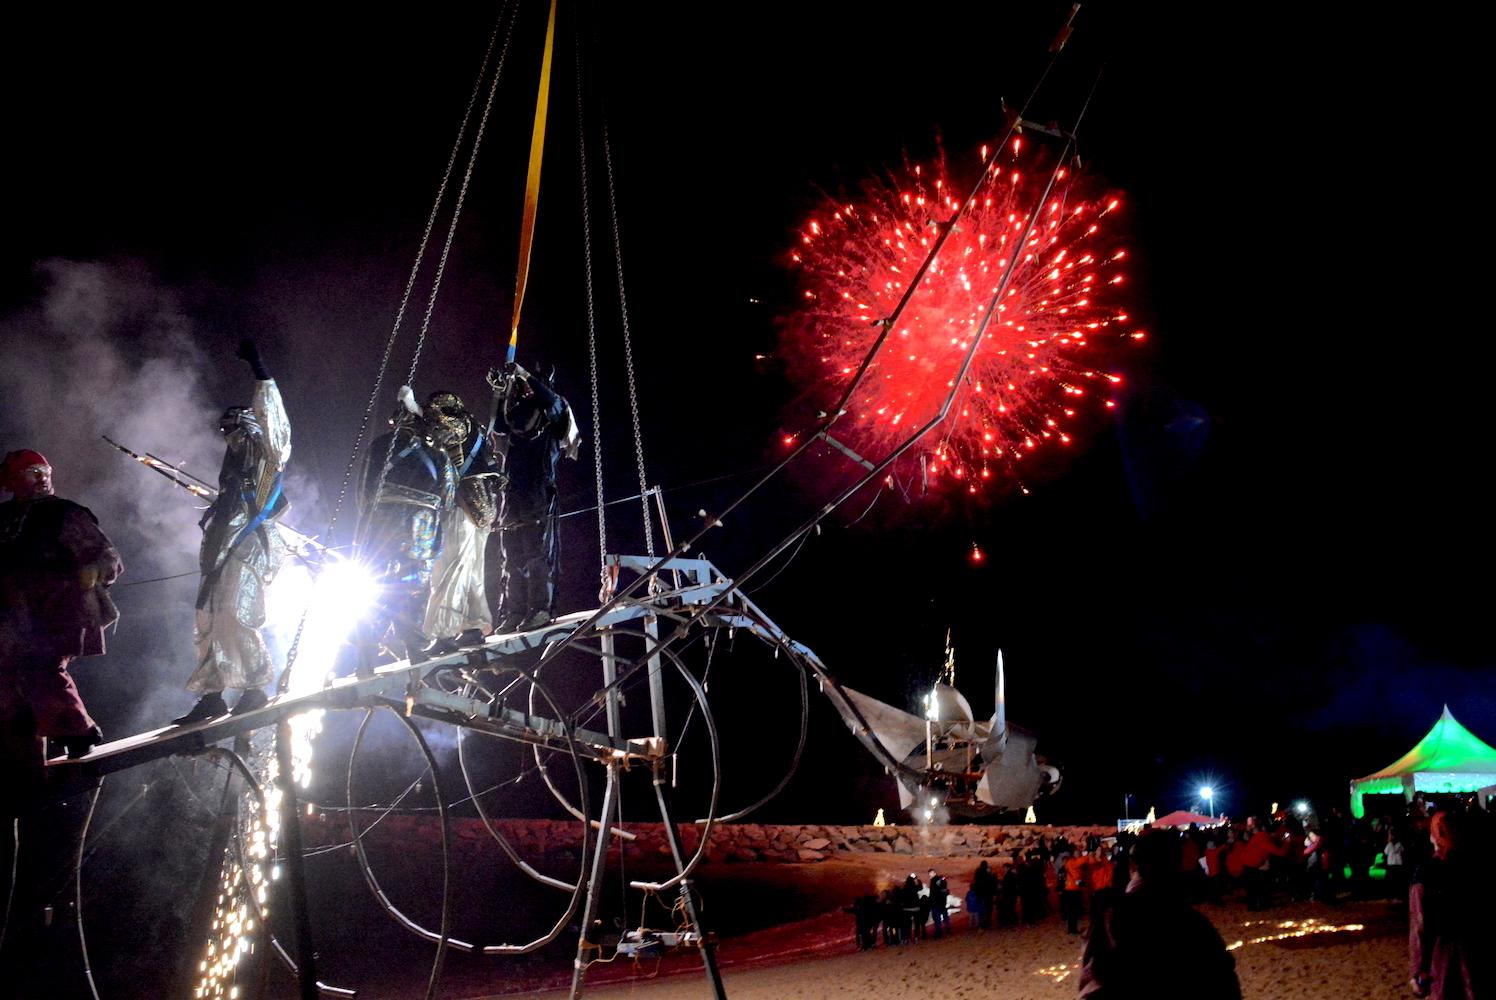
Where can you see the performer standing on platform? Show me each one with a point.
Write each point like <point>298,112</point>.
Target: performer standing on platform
<point>241,551</point>
<point>459,603</point>
<point>409,483</point>
<point>539,428</point>
<point>56,567</point>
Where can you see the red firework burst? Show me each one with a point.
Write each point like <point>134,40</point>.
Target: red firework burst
<point>1039,361</point>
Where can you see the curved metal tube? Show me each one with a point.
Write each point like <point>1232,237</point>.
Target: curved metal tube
<point>799,747</point>
<point>716,751</point>
<point>378,891</point>
<point>569,731</point>
<point>363,858</point>
<point>441,805</point>
<point>78,888</point>
<point>498,837</point>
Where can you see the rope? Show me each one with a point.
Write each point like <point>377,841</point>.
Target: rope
<point>597,435</point>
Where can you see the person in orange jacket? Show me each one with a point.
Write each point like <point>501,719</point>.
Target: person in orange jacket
<point>1099,874</point>
<point>1076,867</point>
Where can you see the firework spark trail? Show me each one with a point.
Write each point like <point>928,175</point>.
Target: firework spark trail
<point>333,601</point>
<point>1041,359</point>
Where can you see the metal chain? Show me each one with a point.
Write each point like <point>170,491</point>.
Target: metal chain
<point>441,264</point>
<point>415,268</point>
<point>410,282</point>
<point>628,345</point>
<point>597,431</point>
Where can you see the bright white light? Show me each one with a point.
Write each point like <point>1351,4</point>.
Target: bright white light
<point>1301,808</point>
<point>933,701</point>
<point>333,600</point>
<point>1207,792</point>
<point>345,590</point>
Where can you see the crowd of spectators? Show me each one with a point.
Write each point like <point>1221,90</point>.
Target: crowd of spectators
<point>1136,893</point>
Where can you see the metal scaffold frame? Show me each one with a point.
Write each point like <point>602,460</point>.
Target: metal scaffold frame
<point>446,689</point>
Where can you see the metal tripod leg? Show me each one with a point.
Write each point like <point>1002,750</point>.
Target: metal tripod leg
<point>595,879</point>
<point>688,901</point>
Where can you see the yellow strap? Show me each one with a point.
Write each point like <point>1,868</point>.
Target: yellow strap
<point>532,184</point>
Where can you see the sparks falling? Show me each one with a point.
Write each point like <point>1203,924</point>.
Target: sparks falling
<point>1039,364</point>
<point>332,602</point>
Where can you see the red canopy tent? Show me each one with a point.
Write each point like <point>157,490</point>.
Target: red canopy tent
<point>1183,817</point>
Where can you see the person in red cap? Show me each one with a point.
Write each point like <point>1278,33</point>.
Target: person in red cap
<point>56,567</point>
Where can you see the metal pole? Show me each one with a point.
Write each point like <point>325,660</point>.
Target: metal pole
<point>595,879</point>
<point>688,901</point>
<point>659,496</point>
<point>605,821</point>
<point>656,679</point>
<point>652,629</point>
<point>610,678</point>
<point>290,838</point>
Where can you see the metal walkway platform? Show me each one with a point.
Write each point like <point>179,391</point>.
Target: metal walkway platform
<point>404,683</point>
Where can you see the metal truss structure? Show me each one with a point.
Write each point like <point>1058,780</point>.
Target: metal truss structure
<point>475,689</point>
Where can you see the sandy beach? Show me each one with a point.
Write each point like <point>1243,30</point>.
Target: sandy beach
<point>1041,963</point>
<point>1303,951</point>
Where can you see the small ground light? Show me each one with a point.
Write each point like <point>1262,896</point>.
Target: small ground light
<point>976,556</point>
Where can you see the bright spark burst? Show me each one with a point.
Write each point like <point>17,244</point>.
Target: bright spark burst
<point>332,600</point>
<point>1038,365</point>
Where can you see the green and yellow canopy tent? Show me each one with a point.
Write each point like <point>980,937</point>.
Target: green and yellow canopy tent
<point>1450,759</point>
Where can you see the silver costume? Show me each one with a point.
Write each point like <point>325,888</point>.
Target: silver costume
<point>459,600</point>
<point>242,549</point>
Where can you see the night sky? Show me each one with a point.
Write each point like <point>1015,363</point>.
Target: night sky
<point>1268,569</point>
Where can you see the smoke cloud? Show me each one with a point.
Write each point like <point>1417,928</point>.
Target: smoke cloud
<point>107,349</point>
